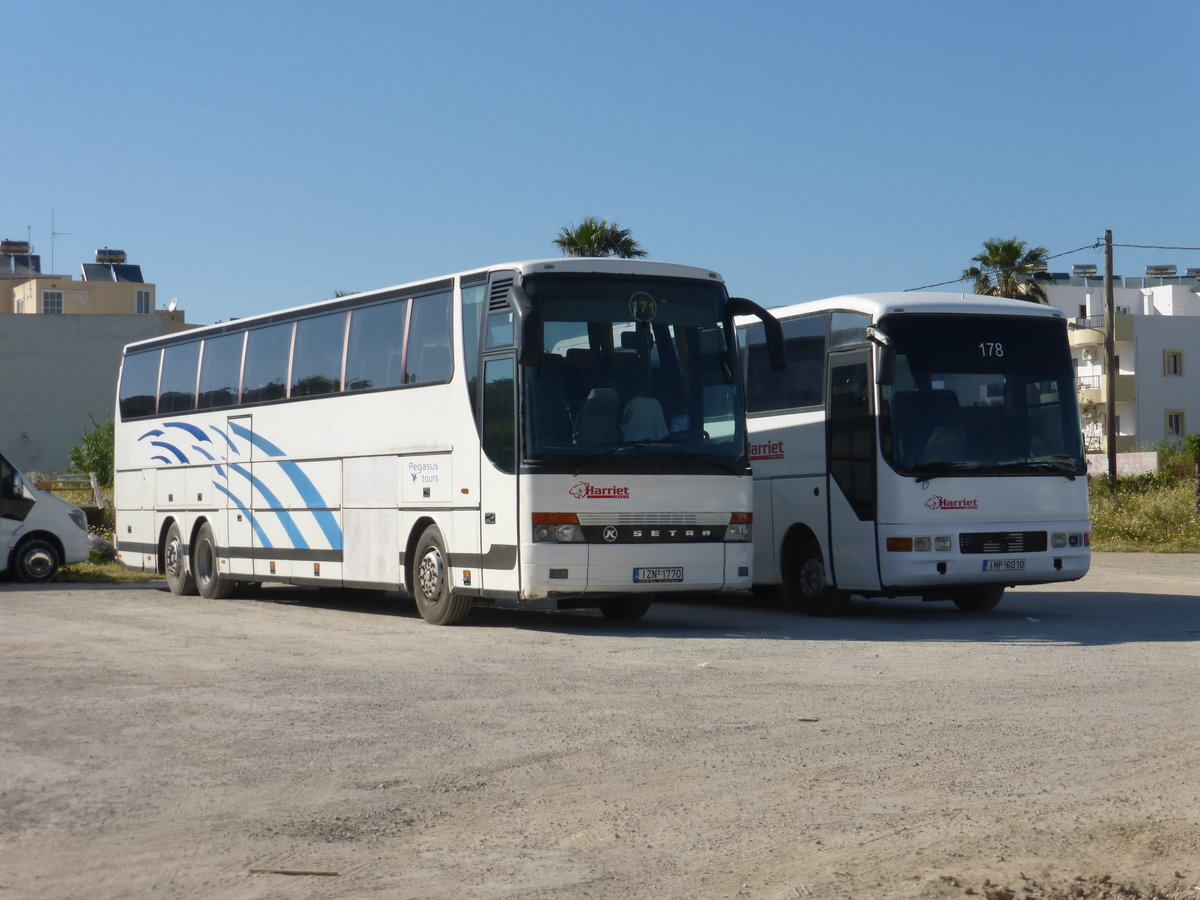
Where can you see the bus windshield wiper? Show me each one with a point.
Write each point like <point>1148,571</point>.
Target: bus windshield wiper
<point>625,445</point>
<point>1062,465</point>
<point>929,468</point>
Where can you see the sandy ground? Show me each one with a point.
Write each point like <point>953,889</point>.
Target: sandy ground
<point>155,746</point>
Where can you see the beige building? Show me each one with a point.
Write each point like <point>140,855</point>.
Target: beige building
<point>60,349</point>
<point>109,287</point>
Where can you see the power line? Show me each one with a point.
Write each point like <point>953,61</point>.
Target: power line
<point>1094,246</point>
<point>1002,269</point>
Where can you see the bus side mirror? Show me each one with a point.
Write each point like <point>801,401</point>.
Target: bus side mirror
<point>772,330</point>
<point>529,327</point>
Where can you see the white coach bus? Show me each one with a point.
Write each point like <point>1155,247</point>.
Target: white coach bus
<point>916,444</point>
<point>559,433</point>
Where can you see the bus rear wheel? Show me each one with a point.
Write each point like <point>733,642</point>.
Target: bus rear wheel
<point>179,577</point>
<point>978,601</point>
<point>209,581</point>
<point>431,582</point>
<point>805,586</point>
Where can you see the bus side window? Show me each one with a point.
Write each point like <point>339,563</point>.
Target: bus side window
<point>375,346</point>
<point>139,384</point>
<point>428,358</point>
<point>177,389</point>
<point>265,371</point>
<point>317,355</point>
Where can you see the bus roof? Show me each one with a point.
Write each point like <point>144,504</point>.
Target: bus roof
<point>577,265</point>
<point>882,304</point>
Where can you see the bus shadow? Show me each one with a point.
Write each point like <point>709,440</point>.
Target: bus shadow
<point>1045,618</point>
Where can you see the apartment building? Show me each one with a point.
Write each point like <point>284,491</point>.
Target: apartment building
<point>1156,329</point>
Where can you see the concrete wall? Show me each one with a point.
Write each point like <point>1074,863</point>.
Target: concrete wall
<point>54,370</point>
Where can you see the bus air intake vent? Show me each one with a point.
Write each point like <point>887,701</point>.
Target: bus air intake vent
<point>498,298</point>
<point>1002,542</point>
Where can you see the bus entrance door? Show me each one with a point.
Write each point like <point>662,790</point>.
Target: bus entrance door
<point>498,527</point>
<point>850,444</point>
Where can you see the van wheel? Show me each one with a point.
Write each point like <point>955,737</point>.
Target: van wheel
<point>179,578</point>
<point>36,560</point>
<point>978,601</point>
<point>431,582</point>
<point>209,581</point>
<point>805,586</point>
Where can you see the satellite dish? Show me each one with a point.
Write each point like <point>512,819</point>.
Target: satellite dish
<point>174,303</point>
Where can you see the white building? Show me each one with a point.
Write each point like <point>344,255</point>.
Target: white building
<point>1157,346</point>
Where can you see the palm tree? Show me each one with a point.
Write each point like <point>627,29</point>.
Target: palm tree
<point>1006,269</point>
<point>598,237</point>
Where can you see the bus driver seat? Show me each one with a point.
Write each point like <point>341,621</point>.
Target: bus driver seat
<point>597,419</point>
<point>643,420</point>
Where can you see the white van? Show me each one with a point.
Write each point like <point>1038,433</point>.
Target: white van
<point>38,531</point>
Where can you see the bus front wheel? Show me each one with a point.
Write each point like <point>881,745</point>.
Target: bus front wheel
<point>431,582</point>
<point>179,577</point>
<point>806,587</point>
<point>978,601</point>
<point>211,584</point>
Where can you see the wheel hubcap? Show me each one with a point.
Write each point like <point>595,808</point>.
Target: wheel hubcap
<point>173,558</point>
<point>39,563</point>
<point>431,575</point>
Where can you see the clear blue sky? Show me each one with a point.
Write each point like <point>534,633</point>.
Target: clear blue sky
<point>256,155</point>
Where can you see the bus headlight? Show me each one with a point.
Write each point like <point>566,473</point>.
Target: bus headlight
<point>1059,539</point>
<point>740,527</point>
<point>557,528</point>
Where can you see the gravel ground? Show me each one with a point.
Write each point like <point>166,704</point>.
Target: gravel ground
<point>156,746</point>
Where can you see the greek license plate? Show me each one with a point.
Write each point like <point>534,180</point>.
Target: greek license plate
<point>658,574</point>
<point>1003,565</point>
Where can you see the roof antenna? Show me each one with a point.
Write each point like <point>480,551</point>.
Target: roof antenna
<point>53,235</point>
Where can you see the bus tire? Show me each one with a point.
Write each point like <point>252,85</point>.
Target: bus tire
<point>175,563</point>
<point>805,585</point>
<point>210,583</point>
<point>431,582</point>
<point>978,601</point>
<point>36,560</point>
<point>627,609</point>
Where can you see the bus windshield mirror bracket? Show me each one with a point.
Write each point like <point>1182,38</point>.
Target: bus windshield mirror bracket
<point>529,327</point>
<point>772,330</point>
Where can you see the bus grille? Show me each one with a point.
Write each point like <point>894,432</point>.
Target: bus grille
<point>644,518</point>
<point>1002,542</point>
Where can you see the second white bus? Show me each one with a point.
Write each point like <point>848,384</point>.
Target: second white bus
<point>564,432</point>
<point>917,444</point>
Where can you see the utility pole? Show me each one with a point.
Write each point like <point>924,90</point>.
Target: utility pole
<point>1110,359</point>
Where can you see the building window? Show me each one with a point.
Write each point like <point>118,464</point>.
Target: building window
<point>144,304</point>
<point>1172,362</point>
<point>52,303</point>
<point>1175,423</point>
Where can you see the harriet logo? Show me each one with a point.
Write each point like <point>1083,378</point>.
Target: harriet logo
<point>585,491</point>
<point>767,450</point>
<point>943,503</point>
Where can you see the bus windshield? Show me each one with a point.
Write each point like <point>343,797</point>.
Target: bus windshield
<point>976,394</point>
<point>631,368</point>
